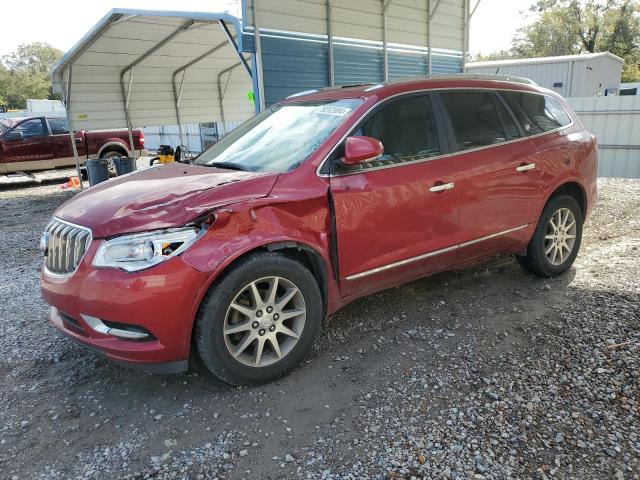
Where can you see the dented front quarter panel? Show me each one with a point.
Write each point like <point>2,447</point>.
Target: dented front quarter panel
<point>289,215</point>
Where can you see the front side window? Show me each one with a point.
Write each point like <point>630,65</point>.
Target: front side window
<point>58,126</point>
<point>406,128</point>
<point>32,128</point>
<point>474,119</point>
<point>537,113</point>
<point>280,138</point>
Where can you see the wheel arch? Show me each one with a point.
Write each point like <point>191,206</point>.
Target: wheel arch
<point>113,146</point>
<point>303,253</point>
<point>575,190</point>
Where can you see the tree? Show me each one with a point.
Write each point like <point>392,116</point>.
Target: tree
<point>25,74</point>
<point>568,27</point>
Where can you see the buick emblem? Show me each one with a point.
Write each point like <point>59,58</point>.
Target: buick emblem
<point>44,243</point>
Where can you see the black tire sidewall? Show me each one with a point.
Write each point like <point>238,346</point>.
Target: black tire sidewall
<point>536,248</point>
<point>211,316</point>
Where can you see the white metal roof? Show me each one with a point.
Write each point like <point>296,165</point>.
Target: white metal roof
<point>542,60</point>
<point>406,20</point>
<point>147,61</point>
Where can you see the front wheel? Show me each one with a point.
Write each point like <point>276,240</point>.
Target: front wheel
<point>259,321</point>
<point>556,240</point>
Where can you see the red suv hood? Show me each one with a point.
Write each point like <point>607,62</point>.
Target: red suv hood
<point>161,197</point>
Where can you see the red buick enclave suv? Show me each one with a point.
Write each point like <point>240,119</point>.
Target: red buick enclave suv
<point>321,199</point>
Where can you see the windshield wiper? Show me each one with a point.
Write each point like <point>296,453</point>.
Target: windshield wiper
<point>228,166</point>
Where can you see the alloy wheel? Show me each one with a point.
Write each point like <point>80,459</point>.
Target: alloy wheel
<point>264,321</point>
<point>560,236</point>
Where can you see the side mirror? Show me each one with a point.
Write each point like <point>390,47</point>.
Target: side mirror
<point>358,150</point>
<point>14,136</point>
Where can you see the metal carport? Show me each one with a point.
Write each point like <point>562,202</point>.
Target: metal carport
<point>140,67</point>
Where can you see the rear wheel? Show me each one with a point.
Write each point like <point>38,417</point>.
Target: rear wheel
<point>557,238</point>
<point>260,320</point>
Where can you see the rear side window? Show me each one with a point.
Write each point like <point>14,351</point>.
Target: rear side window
<point>537,113</point>
<point>58,126</point>
<point>406,128</point>
<point>474,118</point>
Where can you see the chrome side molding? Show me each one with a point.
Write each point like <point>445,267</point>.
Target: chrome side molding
<point>433,254</point>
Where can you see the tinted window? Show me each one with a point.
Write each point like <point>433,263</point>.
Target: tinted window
<point>32,128</point>
<point>406,127</point>
<point>58,126</point>
<point>537,113</point>
<point>474,119</point>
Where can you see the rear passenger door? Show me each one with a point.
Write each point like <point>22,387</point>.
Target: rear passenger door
<point>498,184</point>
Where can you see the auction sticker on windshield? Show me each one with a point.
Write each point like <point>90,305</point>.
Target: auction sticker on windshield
<point>332,110</point>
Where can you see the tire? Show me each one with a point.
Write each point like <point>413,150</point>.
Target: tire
<point>257,324</point>
<point>111,167</point>
<point>547,239</point>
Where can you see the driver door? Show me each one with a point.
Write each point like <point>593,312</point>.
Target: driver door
<point>396,218</point>
<point>31,150</point>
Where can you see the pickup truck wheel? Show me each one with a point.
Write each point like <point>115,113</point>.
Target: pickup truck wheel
<point>556,240</point>
<point>110,165</point>
<point>259,321</point>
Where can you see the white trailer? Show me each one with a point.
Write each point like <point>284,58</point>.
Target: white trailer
<point>50,106</point>
<point>586,75</point>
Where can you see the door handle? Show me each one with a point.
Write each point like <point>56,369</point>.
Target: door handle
<point>441,187</point>
<point>527,167</point>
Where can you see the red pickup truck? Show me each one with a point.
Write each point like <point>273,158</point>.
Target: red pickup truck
<point>40,143</point>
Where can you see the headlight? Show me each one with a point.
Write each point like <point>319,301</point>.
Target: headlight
<point>144,250</point>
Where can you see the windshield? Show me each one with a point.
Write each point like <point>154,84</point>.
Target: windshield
<point>280,138</point>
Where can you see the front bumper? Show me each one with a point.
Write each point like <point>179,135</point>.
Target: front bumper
<point>161,301</point>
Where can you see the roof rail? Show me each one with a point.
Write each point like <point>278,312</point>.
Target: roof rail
<point>467,76</point>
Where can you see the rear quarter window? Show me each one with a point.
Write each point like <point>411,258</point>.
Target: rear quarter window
<point>537,113</point>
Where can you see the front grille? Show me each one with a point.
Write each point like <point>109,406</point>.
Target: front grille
<point>66,245</point>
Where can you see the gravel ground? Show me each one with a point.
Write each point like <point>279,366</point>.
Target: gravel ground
<point>485,372</point>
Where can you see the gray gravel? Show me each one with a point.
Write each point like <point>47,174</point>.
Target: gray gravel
<point>485,372</point>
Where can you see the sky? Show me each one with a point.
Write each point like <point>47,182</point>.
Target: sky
<point>61,23</point>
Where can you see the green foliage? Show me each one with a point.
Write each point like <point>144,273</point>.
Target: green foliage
<point>25,74</point>
<point>570,27</point>
<point>501,55</point>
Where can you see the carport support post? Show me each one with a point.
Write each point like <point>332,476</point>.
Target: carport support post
<point>385,48</point>
<point>468,15</point>
<point>429,61</point>
<point>258,56</point>
<point>72,134</point>
<point>330,40</point>
<point>465,33</point>
<point>221,94</point>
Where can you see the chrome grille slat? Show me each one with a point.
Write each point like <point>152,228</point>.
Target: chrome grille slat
<point>66,247</point>
<point>70,240</point>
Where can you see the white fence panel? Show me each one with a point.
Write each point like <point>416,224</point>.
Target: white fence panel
<point>615,121</point>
